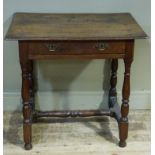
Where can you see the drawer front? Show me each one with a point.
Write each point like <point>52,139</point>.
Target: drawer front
<point>67,47</point>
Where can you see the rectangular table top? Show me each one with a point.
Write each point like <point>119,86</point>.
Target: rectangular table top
<point>45,26</point>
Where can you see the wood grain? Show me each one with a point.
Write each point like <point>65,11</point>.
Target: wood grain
<point>73,113</point>
<point>76,47</point>
<point>45,26</point>
<point>26,92</point>
<point>123,124</point>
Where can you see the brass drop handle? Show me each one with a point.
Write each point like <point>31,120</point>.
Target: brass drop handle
<point>51,47</point>
<point>102,46</point>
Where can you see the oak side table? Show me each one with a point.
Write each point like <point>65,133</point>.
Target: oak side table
<point>74,36</point>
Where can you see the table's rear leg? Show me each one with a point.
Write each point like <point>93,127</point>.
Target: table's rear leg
<point>26,86</point>
<point>32,91</point>
<point>113,82</point>
<point>123,122</point>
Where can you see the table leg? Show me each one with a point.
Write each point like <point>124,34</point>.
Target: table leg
<point>26,89</point>
<point>123,123</point>
<point>113,82</point>
<point>32,92</point>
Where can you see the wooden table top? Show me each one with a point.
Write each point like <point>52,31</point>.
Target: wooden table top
<point>43,26</point>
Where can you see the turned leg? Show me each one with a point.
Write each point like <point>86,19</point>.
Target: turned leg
<point>32,92</point>
<point>123,123</point>
<point>26,96</point>
<point>113,82</point>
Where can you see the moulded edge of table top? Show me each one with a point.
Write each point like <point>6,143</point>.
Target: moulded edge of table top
<point>45,26</point>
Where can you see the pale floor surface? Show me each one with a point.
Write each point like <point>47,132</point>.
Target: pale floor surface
<point>88,136</point>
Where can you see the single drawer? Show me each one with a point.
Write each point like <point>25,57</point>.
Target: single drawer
<point>76,47</point>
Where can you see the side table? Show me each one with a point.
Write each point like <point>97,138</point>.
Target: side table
<point>74,36</point>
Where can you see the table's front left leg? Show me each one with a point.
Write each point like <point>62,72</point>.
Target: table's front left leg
<point>26,95</point>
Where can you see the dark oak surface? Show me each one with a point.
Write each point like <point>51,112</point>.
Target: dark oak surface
<point>76,47</point>
<point>43,26</point>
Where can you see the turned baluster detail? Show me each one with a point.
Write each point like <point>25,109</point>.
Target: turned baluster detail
<point>26,86</point>
<point>31,80</point>
<point>126,92</point>
<point>113,82</point>
<point>73,113</point>
<point>123,123</point>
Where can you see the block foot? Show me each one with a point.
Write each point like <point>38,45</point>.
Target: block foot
<point>28,146</point>
<point>122,144</point>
